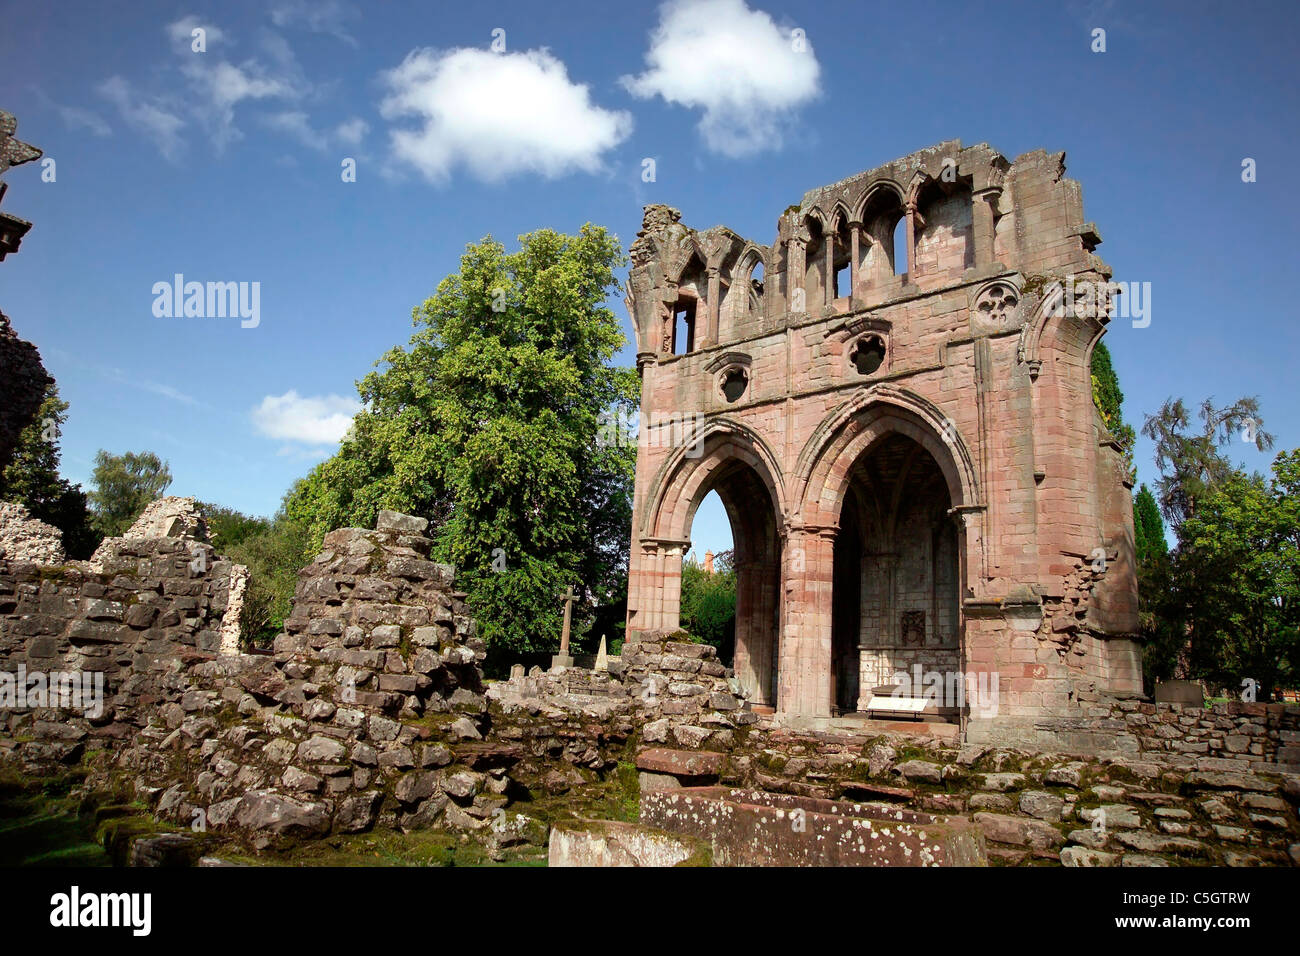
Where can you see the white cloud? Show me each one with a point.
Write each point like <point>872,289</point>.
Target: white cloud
<point>222,86</point>
<point>150,116</point>
<point>747,74</point>
<point>319,420</point>
<point>323,16</point>
<point>297,124</point>
<point>352,131</point>
<point>77,118</point>
<point>497,115</point>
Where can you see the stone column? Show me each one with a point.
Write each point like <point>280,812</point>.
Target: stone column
<point>829,281</point>
<point>668,316</point>
<point>230,630</point>
<point>982,223</point>
<point>910,251</point>
<point>796,269</point>
<point>756,637</point>
<point>855,238</point>
<point>714,304</point>
<point>805,652</point>
<point>646,364</point>
<point>659,588</point>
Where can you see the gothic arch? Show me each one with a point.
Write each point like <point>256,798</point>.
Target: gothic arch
<point>839,215</point>
<point>1053,321</point>
<point>878,185</point>
<point>822,473</point>
<point>683,481</point>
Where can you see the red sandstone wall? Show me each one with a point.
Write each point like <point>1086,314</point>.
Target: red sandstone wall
<point>978,368</point>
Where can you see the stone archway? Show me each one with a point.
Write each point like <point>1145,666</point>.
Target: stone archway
<point>732,462</point>
<point>896,598</point>
<point>830,485</point>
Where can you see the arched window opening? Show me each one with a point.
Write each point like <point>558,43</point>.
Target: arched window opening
<point>684,326</point>
<point>884,233</point>
<point>944,232</point>
<point>899,254</point>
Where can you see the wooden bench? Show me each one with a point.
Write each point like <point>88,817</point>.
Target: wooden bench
<point>884,703</point>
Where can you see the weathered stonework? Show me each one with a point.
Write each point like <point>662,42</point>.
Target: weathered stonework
<point>24,538</point>
<point>372,713</point>
<point>903,434</point>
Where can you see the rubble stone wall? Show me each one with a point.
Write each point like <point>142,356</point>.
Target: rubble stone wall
<point>372,712</point>
<point>24,538</point>
<point>156,605</point>
<point>1036,808</point>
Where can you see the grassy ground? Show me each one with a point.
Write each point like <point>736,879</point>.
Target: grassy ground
<point>39,826</point>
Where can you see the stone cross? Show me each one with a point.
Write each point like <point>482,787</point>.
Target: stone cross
<point>564,659</point>
<point>568,617</point>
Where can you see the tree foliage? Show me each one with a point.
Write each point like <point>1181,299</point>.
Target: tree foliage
<point>32,479</point>
<point>1239,573</point>
<point>709,606</point>
<point>1148,527</point>
<point>486,423</point>
<point>228,527</point>
<point>1192,461</point>
<point>123,487</point>
<point>273,555</point>
<point>1222,605</point>
<point>1109,400</point>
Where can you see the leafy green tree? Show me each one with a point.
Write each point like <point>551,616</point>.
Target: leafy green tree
<point>1180,600</point>
<point>487,424</point>
<point>1191,462</point>
<point>228,527</point>
<point>1162,618</point>
<point>1148,527</point>
<point>708,607</point>
<point>123,487</point>
<point>273,555</point>
<point>1108,398</point>
<point>32,479</point>
<point>1240,560</point>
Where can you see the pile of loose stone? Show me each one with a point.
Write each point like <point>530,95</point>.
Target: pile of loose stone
<point>371,709</point>
<point>663,678</point>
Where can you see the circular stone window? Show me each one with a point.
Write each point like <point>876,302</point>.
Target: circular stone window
<point>734,383</point>
<point>867,354</point>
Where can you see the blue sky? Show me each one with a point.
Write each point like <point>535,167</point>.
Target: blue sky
<point>225,166</point>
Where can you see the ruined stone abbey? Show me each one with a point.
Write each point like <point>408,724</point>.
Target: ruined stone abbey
<point>893,402</point>
<point>895,406</point>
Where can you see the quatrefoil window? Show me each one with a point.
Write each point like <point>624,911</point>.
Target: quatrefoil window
<point>997,304</point>
<point>868,354</point>
<point>734,382</point>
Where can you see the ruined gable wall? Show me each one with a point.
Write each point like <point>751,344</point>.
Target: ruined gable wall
<point>978,340</point>
<point>130,623</point>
